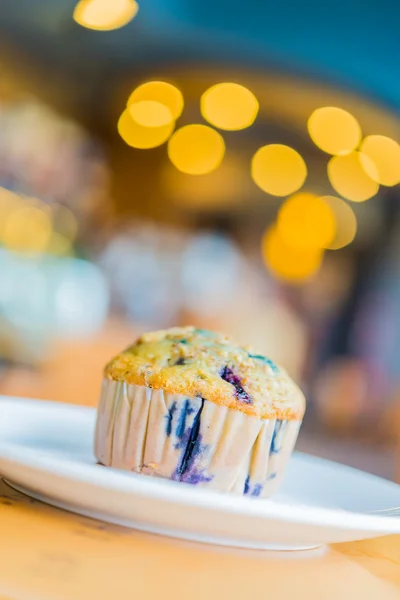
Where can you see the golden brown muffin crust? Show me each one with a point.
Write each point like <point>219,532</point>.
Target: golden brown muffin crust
<point>198,362</point>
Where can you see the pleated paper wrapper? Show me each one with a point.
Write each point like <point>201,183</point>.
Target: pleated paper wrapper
<point>192,440</point>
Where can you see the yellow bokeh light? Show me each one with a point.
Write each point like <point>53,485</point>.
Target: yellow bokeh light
<point>64,221</point>
<point>334,130</point>
<point>306,221</point>
<point>346,222</point>
<point>27,229</point>
<point>137,136</point>
<point>9,202</point>
<point>289,263</point>
<point>385,154</point>
<point>352,176</point>
<point>278,170</point>
<point>59,245</point>
<point>196,149</point>
<point>104,15</point>
<point>159,91</point>
<point>229,106</point>
<point>150,113</point>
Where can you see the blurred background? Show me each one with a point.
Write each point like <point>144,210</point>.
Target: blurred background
<point>228,165</point>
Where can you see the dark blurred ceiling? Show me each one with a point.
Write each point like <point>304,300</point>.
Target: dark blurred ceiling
<point>347,42</point>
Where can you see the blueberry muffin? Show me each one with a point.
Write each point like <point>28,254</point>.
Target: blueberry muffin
<point>193,406</point>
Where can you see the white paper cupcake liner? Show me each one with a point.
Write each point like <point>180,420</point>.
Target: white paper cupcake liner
<point>191,440</point>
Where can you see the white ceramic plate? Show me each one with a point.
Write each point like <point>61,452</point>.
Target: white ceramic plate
<point>46,452</point>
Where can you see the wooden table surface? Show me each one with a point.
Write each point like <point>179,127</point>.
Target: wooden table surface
<point>49,554</point>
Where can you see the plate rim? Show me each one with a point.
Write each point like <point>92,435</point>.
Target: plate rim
<point>189,497</point>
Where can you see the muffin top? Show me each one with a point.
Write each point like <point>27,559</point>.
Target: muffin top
<point>198,362</point>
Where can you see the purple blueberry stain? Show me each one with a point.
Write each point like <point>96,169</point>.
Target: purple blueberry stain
<point>266,361</point>
<point>229,376</point>
<point>171,411</point>
<point>194,475</point>
<point>190,443</point>
<point>279,426</point>
<point>185,412</point>
<point>179,362</point>
<point>257,489</point>
<point>252,490</point>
